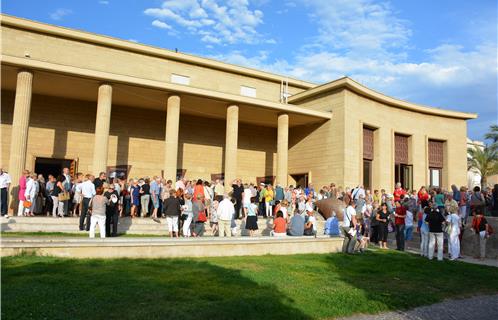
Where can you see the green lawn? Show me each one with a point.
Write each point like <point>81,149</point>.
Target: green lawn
<point>265,287</point>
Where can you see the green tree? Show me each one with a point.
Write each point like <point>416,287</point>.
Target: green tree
<point>484,160</point>
<point>493,135</point>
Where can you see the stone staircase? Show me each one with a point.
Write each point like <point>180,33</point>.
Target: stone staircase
<point>138,226</point>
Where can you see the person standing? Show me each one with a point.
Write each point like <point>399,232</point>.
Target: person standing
<point>88,191</point>
<point>435,220</point>
<point>252,216</point>
<point>22,192</point>
<point>225,212</point>
<point>481,228</point>
<point>269,196</point>
<point>78,197</point>
<point>155,194</point>
<point>238,194</point>
<point>454,222</point>
<point>399,222</point>
<point>199,216</point>
<point>172,210</point>
<point>98,206</point>
<point>349,227</point>
<point>5,182</point>
<point>112,212</point>
<point>187,215</point>
<point>31,194</point>
<point>398,192</point>
<point>424,231</point>
<point>145,197</point>
<point>382,217</point>
<point>135,197</point>
<point>68,186</point>
<point>99,182</point>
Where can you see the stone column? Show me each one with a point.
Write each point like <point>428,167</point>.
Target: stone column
<point>232,135</point>
<point>102,126</point>
<point>282,149</point>
<point>171,139</point>
<point>20,125</point>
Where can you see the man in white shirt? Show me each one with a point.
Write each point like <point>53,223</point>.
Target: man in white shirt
<point>180,184</point>
<point>87,191</point>
<point>225,213</point>
<point>5,182</point>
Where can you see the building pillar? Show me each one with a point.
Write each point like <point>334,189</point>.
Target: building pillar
<point>171,138</point>
<point>282,149</point>
<point>232,135</point>
<point>20,125</point>
<point>102,126</point>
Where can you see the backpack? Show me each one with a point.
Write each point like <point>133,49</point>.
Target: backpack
<point>476,200</point>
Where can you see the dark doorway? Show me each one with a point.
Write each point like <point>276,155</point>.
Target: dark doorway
<point>301,179</point>
<point>404,173</point>
<point>46,166</point>
<point>367,174</point>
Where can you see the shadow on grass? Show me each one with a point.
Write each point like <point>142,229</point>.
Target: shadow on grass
<point>391,280</point>
<point>50,288</point>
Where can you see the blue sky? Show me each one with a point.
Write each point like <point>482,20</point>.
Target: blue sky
<point>440,53</point>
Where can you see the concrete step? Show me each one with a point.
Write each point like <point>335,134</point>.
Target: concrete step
<point>166,248</point>
<point>126,225</point>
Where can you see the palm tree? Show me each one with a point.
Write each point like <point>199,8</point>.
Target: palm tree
<point>493,135</point>
<point>484,160</point>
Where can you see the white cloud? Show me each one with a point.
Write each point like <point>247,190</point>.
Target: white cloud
<point>231,22</point>
<point>104,2</point>
<point>60,13</point>
<point>161,25</point>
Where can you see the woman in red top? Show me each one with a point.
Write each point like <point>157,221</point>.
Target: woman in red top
<point>398,192</point>
<point>279,225</point>
<point>199,189</point>
<point>423,196</point>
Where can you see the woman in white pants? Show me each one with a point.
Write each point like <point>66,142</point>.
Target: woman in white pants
<point>454,222</point>
<point>187,215</point>
<point>98,206</point>
<point>424,237</point>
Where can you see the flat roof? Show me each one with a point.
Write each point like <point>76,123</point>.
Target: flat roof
<point>348,83</point>
<point>85,36</point>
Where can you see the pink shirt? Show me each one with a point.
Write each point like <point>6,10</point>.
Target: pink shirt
<point>22,188</point>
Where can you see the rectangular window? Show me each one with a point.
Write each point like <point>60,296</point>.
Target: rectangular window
<point>248,91</point>
<point>435,177</point>
<point>436,154</point>
<point>400,149</point>
<point>368,143</point>
<point>179,79</point>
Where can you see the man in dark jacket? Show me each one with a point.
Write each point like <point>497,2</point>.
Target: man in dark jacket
<point>112,212</point>
<point>172,211</point>
<point>435,219</point>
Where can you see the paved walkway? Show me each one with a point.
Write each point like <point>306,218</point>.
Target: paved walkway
<point>481,308</point>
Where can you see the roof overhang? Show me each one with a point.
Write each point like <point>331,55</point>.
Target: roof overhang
<point>350,84</point>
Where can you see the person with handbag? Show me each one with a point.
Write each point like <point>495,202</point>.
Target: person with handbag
<point>22,192</point>
<point>199,216</point>
<point>349,226</point>
<point>482,229</point>
<point>98,206</point>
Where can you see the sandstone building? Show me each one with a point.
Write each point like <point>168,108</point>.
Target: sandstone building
<point>97,103</point>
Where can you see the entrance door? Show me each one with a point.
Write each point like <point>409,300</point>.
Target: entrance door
<point>404,173</point>
<point>301,179</point>
<point>46,166</point>
<point>367,174</point>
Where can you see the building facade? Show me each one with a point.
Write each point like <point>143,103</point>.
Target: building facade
<point>94,103</point>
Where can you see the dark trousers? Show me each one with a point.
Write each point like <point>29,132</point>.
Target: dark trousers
<point>262,209</point>
<point>84,214</point>
<point>374,236</point>
<point>4,204</point>
<point>400,237</point>
<point>238,205</point>
<point>112,216</point>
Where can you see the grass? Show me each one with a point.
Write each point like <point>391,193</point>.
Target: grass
<point>264,287</point>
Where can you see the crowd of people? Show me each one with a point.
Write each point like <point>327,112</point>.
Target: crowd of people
<point>436,214</point>
<point>187,205</point>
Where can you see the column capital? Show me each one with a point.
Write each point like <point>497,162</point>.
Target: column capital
<point>105,84</point>
<point>25,70</point>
